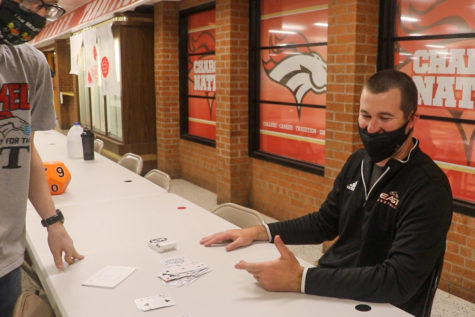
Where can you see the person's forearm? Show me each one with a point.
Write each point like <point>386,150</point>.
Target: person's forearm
<point>260,233</point>
<point>38,190</point>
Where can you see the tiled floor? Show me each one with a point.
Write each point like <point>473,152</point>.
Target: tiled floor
<point>445,304</point>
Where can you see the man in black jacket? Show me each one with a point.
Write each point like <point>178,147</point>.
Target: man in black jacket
<point>390,207</point>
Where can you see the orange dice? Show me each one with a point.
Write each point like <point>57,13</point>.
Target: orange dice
<point>58,177</point>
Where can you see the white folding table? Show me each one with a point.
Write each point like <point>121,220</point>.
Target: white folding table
<point>111,226</point>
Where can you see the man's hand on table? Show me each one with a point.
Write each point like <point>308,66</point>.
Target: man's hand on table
<point>59,242</point>
<point>280,275</point>
<point>238,237</point>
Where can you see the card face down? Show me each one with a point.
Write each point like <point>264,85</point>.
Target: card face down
<point>109,276</point>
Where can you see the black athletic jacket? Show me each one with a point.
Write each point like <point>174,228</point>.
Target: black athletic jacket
<point>390,236</point>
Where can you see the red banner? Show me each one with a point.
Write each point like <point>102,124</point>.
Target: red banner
<point>91,11</point>
<point>293,78</point>
<point>444,73</point>
<point>201,74</point>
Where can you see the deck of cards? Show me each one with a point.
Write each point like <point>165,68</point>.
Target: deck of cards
<point>183,274</point>
<point>162,244</point>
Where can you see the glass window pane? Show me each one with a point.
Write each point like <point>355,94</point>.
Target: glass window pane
<point>201,74</point>
<point>201,32</point>
<point>98,115</point>
<point>114,117</point>
<point>84,104</point>
<point>452,146</point>
<point>294,75</point>
<point>444,72</point>
<point>283,133</point>
<point>293,22</point>
<point>293,79</point>
<point>202,117</point>
<point>422,17</point>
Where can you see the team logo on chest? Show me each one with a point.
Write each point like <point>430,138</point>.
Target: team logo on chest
<point>391,199</point>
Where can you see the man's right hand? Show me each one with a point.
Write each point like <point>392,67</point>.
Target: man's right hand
<point>238,237</point>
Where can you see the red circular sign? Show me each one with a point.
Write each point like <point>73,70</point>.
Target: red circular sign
<point>105,67</point>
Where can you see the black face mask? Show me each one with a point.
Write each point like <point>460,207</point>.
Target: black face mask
<point>16,25</point>
<point>380,146</point>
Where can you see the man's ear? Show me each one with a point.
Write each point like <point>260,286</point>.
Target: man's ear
<point>413,120</point>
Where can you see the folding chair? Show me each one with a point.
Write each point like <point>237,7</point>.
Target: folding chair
<point>434,278</point>
<point>98,145</point>
<point>131,161</point>
<point>160,178</point>
<point>240,216</point>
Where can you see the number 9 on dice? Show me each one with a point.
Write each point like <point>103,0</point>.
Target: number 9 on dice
<point>58,177</point>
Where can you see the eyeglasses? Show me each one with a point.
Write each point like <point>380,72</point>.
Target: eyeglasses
<point>52,11</point>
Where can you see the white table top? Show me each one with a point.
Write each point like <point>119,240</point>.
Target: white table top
<point>100,179</point>
<point>115,229</point>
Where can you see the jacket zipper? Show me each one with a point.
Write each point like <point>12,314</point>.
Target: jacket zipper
<point>376,182</point>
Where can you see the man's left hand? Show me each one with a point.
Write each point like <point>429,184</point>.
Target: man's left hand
<point>59,242</point>
<point>281,275</point>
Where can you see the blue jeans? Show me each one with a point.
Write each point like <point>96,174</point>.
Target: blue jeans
<point>10,289</point>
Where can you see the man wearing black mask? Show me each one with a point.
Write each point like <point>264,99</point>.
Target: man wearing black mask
<point>26,105</point>
<point>390,207</point>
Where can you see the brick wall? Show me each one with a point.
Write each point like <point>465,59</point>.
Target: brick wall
<point>458,275</point>
<point>167,87</point>
<point>279,191</point>
<point>232,168</point>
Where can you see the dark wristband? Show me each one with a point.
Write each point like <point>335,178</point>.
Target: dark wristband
<point>49,221</point>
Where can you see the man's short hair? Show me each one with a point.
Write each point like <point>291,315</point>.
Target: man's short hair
<point>387,79</point>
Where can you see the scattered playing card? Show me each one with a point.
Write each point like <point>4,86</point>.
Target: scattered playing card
<point>180,260</point>
<point>153,302</point>
<point>183,274</point>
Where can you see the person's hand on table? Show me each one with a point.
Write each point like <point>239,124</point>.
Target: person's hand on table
<point>281,275</point>
<point>59,242</point>
<point>238,237</point>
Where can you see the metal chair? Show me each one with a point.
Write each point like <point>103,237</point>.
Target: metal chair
<point>160,178</point>
<point>242,217</point>
<point>131,161</point>
<point>434,282</point>
<point>98,145</point>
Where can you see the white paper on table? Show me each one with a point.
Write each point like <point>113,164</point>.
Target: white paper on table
<point>109,276</point>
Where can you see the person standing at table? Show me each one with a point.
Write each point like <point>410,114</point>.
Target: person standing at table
<point>390,207</point>
<point>26,97</point>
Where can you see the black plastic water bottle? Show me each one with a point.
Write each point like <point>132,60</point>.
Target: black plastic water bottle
<point>87,144</point>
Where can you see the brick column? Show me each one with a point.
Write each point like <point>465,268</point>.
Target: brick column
<point>352,55</point>
<point>167,87</point>
<point>233,164</point>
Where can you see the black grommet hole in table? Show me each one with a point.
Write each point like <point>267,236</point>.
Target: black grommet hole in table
<point>128,181</point>
<point>363,307</point>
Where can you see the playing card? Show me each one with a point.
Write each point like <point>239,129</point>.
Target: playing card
<point>154,302</point>
<point>180,260</point>
<point>183,274</point>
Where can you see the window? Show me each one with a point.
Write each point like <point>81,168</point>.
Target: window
<point>434,43</point>
<point>99,100</point>
<point>288,80</point>
<point>198,74</point>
